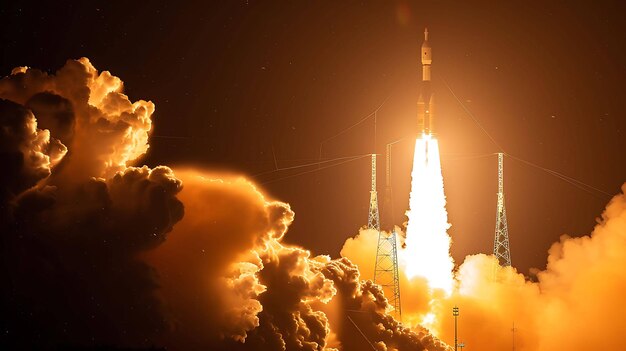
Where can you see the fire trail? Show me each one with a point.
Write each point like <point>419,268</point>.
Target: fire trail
<point>427,251</point>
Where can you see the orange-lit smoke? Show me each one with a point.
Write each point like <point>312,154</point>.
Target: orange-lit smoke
<point>99,252</point>
<point>75,213</point>
<point>576,304</point>
<point>80,223</point>
<point>228,280</point>
<point>88,112</point>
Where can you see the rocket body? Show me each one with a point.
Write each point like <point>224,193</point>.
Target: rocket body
<point>426,101</point>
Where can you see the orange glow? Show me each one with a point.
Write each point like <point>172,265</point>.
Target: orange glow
<point>129,123</point>
<point>427,251</point>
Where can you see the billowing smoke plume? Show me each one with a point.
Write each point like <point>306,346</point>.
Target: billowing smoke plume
<point>574,305</point>
<point>88,112</point>
<point>27,153</point>
<point>99,251</point>
<point>229,282</point>
<point>75,215</point>
<point>416,294</point>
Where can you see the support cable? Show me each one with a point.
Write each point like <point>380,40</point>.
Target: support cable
<point>308,164</point>
<point>469,113</point>
<point>317,169</point>
<point>371,114</point>
<point>577,183</point>
<point>363,334</point>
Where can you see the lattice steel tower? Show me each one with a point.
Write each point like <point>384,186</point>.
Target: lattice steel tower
<point>501,242</point>
<point>373,220</point>
<point>386,270</point>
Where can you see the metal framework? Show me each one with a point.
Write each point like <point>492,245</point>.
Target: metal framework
<point>386,270</point>
<point>501,241</point>
<point>388,203</point>
<point>373,220</point>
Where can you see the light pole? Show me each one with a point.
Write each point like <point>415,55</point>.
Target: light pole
<point>455,313</point>
<point>513,330</point>
<point>462,345</point>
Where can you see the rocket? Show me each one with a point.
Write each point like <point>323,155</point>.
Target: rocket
<point>426,99</point>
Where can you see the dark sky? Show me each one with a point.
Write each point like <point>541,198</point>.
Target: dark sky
<point>234,80</point>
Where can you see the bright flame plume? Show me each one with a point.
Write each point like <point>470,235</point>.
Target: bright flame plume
<point>427,251</point>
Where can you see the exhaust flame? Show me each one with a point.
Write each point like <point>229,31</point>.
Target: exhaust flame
<point>427,251</point>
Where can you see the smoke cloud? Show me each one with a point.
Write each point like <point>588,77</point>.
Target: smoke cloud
<point>88,112</point>
<point>26,152</point>
<point>101,251</point>
<point>362,248</point>
<point>75,214</point>
<point>575,304</point>
<point>229,281</point>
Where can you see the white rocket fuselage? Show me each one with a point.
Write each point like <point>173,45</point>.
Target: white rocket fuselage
<point>426,101</point>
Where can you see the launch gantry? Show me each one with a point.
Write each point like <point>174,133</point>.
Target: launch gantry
<point>386,269</point>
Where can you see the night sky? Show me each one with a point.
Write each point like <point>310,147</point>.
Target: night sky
<point>238,82</point>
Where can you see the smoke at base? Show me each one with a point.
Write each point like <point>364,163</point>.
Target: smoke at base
<point>576,303</point>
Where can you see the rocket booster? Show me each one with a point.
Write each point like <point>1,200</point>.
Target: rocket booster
<point>426,99</point>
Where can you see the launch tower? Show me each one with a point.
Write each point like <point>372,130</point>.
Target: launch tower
<point>373,220</point>
<point>501,242</point>
<point>386,270</point>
